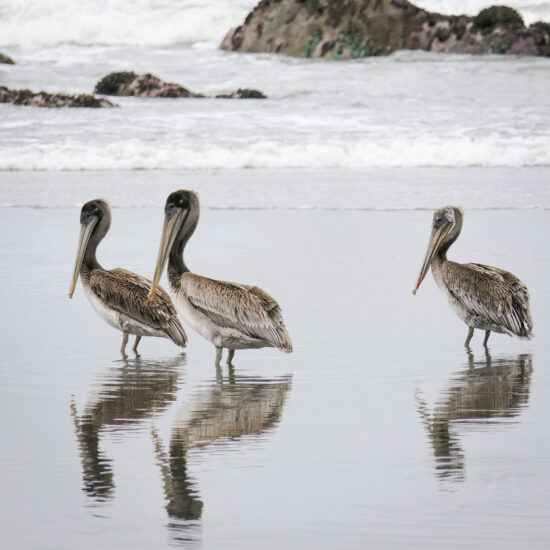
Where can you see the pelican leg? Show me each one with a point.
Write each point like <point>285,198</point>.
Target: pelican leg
<point>469,337</point>
<point>138,338</point>
<point>487,334</point>
<point>230,355</point>
<point>218,356</point>
<point>124,342</point>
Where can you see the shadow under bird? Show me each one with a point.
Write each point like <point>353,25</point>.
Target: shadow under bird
<point>230,315</point>
<point>120,296</point>
<point>484,297</point>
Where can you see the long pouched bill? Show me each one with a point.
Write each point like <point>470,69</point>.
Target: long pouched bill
<point>172,224</point>
<point>85,232</point>
<point>436,237</point>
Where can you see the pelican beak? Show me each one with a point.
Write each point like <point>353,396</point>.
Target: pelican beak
<point>172,224</point>
<point>86,228</point>
<point>438,234</point>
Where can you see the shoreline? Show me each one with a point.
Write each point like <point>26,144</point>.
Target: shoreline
<point>386,189</point>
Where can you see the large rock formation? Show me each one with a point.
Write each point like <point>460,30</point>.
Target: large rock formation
<point>5,59</point>
<point>147,85</point>
<point>343,29</point>
<point>45,99</point>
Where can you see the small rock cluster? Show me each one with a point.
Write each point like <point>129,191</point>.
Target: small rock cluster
<point>44,99</point>
<point>147,85</point>
<point>117,84</point>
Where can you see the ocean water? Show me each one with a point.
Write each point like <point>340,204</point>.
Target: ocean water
<point>411,109</point>
<point>379,431</point>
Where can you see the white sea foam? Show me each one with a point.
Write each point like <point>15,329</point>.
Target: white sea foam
<point>412,109</point>
<point>385,153</point>
<point>29,23</point>
<point>530,10</point>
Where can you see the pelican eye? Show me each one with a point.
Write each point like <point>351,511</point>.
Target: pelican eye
<point>441,223</point>
<point>172,207</point>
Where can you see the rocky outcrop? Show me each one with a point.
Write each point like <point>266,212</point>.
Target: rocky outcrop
<point>145,85</point>
<point>343,29</point>
<point>5,59</point>
<point>44,99</point>
<point>148,85</point>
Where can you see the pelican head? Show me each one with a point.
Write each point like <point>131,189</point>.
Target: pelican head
<point>181,215</point>
<point>95,219</point>
<point>446,226</point>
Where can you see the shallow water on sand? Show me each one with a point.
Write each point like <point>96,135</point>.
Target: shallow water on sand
<point>378,431</point>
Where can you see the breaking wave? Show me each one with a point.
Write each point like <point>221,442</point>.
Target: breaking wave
<point>30,23</point>
<point>382,153</point>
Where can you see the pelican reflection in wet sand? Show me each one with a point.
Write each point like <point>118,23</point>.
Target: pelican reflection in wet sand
<point>120,296</point>
<point>484,297</point>
<point>230,315</point>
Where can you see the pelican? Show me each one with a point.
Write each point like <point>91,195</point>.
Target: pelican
<point>120,296</point>
<point>229,315</point>
<point>484,297</point>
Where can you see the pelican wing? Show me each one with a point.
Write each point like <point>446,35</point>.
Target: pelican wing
<point>127,293</point>
<point>492,294</point>
<point>248,309</point>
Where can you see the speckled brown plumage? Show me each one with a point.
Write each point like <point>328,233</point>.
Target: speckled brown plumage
<point>229,315</point>
<point>119,296</point>
<point>484,297</point>
<point>126,293</point>
<point>245,308</point>
<point>493,298</point>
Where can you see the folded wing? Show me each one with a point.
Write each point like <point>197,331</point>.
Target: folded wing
<point>127,293</point>
<point>494,295</point>
<point>247,309</point>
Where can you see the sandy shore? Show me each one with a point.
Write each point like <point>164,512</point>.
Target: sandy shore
<point>366,189</point>
<point>350,458</point>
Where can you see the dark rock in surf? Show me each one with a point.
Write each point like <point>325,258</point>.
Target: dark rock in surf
<point>347,29</point>
<point>128,83</point>
<point>110,84</point>
<point>489,18</point>
<point>5,59</point>
<point>145,85</point>
<point>243,93</point>
<point>45,99</point>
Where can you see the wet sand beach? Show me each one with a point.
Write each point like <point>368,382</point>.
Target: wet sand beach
<point>380,430</point>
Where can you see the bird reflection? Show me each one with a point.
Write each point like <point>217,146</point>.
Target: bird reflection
<point>487,389</point>
<point>224,412</point>
<point>126,395</point>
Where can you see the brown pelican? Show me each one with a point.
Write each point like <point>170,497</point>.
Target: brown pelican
<point>483,297</point>
<point>120,296</point>
<point>230,315</point>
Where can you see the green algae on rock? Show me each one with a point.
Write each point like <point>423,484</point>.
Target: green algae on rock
<point>344,29</point>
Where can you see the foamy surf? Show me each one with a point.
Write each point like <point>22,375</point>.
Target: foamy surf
<point>384,153</point>
<point>167,23</point>
<point>111,22</point>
